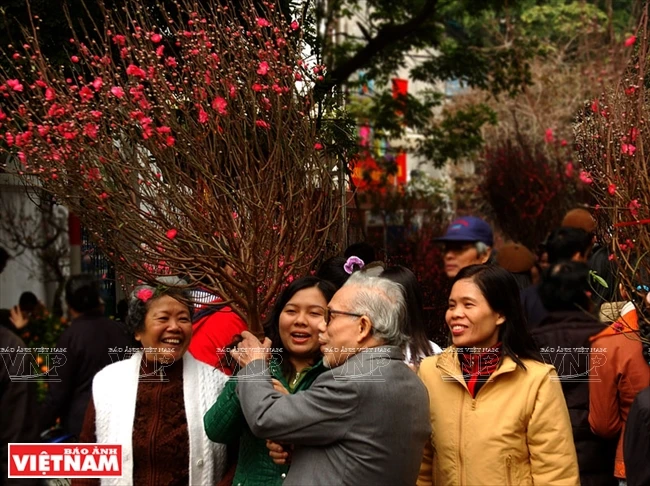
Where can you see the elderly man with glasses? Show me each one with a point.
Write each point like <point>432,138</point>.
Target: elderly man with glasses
<point>364,421</point>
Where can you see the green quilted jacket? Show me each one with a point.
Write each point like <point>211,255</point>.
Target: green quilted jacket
<point>225,423</point>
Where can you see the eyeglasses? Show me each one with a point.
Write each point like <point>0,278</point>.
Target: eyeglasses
<point>329,315</point>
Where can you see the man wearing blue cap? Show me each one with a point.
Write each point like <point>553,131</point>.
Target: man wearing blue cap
<point>468,241</point>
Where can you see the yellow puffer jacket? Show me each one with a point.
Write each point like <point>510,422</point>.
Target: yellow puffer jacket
<point>516,430</point>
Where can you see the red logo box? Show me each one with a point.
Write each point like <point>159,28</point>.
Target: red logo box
<point>64,460</point>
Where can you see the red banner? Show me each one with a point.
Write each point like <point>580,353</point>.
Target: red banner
<point>400,160</point>
<point>65,460</point>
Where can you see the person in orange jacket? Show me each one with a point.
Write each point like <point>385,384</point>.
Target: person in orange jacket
<point>619,371</point>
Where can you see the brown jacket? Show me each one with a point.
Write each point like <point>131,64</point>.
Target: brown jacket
<point>618,372</point>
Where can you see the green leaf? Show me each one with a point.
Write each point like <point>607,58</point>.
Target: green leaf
<point>598,279</point>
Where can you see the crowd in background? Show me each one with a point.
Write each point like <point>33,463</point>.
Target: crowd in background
<point>544,377</point>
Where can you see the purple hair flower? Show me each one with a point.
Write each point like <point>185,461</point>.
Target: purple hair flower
<point>351,262</point>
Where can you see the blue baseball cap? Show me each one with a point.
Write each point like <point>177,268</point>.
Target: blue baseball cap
<point>468,228</point>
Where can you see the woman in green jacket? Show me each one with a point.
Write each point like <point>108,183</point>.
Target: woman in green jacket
<point>297,361</point>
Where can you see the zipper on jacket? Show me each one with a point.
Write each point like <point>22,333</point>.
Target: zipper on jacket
<point>460,440</point>
<point>509,470</point>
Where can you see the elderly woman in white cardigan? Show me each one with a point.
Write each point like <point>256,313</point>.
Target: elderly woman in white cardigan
<point>153,403</point>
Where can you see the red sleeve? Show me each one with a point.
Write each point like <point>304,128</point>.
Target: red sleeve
<point>213,335</point>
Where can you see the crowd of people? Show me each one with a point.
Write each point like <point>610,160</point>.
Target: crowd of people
<point>545,377</point>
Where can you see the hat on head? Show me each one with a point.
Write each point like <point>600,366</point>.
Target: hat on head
<point>580,218</point>
<point>515,258</point>
<point>468,228</point>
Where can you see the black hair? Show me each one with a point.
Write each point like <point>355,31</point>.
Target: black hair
<point>414,327</point>
<point>82,293</point>
<point>563,243</point>
<point>28,302</point>
<point>122,310</point>
<point>272,323</point>
<point>600,263</point>
<point>4,258</point>
<point>500,290</point>
<point>362,250</point>
<point>5,319</point>
<point>564,287</point>
<point>332,270</point>
<point>138,307</point>
<point>523,279</point>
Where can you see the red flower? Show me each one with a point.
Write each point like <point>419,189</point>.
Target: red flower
<point>156,38</point>
<point>634,207</point>
<point>120,40</point>
<point>171,62</point>
<point>318,146</point>
<point>568,171</point>
<point>133,70</point>
<point>220,104</point>
<point>144,294</point>
<point>263,22</point>
<point>634,134</point>
<point>74,59</point>
<point>98,83</point>
<point>170,141</point>
<point>594,106</point>
<point>117,91</point>
<point>262,124</point>
<point>628,149</point>
<point>630,41</point>
<point>171,233</point>
<point>94,174</point>
<point>263,68</point>
<point>86,94</point>
<point>49,94</point>
<point>295,25</point>
<point>612,189</point>
<point>585,177</point>
<point>160,50</point>
<point>203,116</point>
<point>90,130</point>
<point>548,136</point>
<point>15,85</point>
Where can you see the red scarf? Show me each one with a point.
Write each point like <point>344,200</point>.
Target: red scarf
<point>478,367</point>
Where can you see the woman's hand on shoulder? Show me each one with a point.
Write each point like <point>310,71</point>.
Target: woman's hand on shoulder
<point>278,454</point>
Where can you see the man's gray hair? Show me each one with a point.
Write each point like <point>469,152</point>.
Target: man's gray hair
<point>382,300</point>
<point>481,248</point>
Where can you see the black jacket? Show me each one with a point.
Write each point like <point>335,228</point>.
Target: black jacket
<point>17,402</point>
<point>533,307</point>
<point>563,338</point>
<point>87,344</point>
<point>636,445</point>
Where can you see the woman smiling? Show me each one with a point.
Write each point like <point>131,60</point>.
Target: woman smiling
<point>150,403</point>
<point>292,327</point>
<point>497,411</point>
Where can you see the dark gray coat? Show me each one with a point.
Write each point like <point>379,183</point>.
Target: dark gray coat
<point>364,422</point>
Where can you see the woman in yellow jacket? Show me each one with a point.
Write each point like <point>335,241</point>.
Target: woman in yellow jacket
<point>497,411</point>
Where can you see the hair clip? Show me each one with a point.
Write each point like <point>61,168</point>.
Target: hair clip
<point>350,264</point>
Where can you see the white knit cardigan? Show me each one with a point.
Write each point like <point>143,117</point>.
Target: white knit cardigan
<point>114,396</point>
